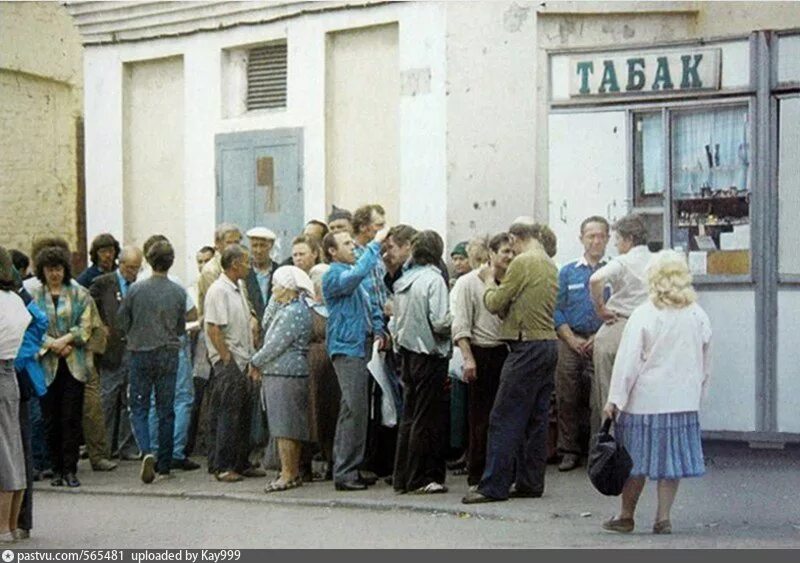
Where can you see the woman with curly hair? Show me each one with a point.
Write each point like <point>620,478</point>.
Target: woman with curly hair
<point>660,376</point>
<point>65,359</point>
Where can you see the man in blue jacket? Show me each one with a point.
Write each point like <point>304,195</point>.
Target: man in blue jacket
<point>353,322</point>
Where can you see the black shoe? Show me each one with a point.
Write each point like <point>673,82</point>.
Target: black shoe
<point>70,480</point>
<point>368,478</point>
<point>476,497</point>
<point>185,464</point>
<point>523,494</point>
<point>350,486</point>
<point>57,482</point>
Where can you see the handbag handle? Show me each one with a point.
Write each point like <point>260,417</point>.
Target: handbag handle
<point>606,426</point>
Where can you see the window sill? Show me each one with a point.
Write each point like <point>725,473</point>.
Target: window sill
<point>720,280</point>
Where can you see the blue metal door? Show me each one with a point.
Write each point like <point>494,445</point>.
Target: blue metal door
<point>259,181</point>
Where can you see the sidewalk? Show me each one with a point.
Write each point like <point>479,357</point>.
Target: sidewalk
<point>744,493</point>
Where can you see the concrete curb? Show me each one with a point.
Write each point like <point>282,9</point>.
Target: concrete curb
<point>382,506</point>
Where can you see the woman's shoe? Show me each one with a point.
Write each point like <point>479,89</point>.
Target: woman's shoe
<point>662,527</point>
<point>277,485</point>
<point>70,480</point>
<point>7,537</point>
<point>620,525</point>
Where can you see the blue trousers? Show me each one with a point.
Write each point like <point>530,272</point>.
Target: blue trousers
<point>154,369</point>
<point>41,455</point>
<point>518,424</point>
<point>184,400</point>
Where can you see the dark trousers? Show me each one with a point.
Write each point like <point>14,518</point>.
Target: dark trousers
<point>41,455</point>
<point>25,521</point>
<point>518,423</point>
<point>62,407</point>
<point>422,436</point>
<point>229,419</point>
<point>482,392</point>
<point>574,375</point>
<point>200,386</point>
<point>154,369</point>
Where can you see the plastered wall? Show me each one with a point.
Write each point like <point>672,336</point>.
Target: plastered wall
<point>40,101</point>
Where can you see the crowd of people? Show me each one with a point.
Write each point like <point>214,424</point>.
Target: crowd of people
<point>361,355</point>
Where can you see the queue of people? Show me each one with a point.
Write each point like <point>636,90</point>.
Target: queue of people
<point>349,354</point>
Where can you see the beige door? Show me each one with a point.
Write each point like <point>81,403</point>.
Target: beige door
<point>362,102</point>
<point>153,191</point>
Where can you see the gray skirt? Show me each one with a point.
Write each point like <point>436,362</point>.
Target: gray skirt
<point>286,400</point>
<point>12,457</point>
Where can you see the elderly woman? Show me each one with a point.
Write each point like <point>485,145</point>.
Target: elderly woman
<point>13,323</point>
<point>421,331</point>
<point>660,376</point>
<point>283,362</point>
<point>65,359</point>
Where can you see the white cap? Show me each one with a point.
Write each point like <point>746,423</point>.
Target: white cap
<point>261,232</point>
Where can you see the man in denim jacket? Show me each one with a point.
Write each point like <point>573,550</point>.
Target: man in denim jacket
<point>353,322</point>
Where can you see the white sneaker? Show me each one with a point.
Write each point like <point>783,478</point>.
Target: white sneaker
<point>20,534</point>
<point>431,488</point>
<point>148,471</point>
<point>7,537</point>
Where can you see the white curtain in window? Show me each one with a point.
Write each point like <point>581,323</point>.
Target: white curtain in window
<point>652,154</point>
<point>710,149</point>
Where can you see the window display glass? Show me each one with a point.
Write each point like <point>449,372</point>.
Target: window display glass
<point>648,174</point>
<point>710,189</point>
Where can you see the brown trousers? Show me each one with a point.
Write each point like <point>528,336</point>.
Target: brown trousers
<point>94,426</point>
<point>574,374</point>
<point>606,342</point>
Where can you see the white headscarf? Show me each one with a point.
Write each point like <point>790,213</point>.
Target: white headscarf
<point>292,277</point>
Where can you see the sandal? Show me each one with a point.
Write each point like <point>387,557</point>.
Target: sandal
<point>662,527</point>
<point>278,486</point>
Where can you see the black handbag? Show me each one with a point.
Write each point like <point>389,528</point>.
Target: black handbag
<point>610,463</point>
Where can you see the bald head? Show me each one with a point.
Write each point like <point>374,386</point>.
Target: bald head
<point>130,262</point>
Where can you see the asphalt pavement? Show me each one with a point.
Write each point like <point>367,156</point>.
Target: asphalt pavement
<point>748,498</point>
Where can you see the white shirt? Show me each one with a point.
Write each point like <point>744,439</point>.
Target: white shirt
<point>471,318</point>
<point>13,323</point>
<point>226,307</point>
<point>663,362</point>
<point>628,280</point>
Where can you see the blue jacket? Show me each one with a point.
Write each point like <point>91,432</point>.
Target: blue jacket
<point>352,316</point>
<point>28,354</point>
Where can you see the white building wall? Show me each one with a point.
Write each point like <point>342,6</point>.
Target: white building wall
<point>491,116</point>
<point>422,146</point>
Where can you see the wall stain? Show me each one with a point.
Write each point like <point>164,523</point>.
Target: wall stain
<point>515,17</point>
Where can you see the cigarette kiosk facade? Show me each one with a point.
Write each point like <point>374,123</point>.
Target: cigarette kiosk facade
<point>701,138</point>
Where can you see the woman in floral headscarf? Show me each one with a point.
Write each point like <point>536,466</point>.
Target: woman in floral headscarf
<point>283,362</point>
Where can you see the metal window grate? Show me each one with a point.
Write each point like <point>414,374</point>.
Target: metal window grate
<point>266,77</point>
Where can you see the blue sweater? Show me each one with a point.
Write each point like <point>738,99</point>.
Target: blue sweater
<point>352,314</point>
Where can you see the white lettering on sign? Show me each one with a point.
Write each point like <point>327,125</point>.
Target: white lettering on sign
<point>638,73</point>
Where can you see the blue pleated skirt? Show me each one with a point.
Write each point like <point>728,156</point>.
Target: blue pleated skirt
<point>662,446</point>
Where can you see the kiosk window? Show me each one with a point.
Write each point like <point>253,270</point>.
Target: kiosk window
<point>710,189</point>
<point>789,185</point>
<point>648,174</point>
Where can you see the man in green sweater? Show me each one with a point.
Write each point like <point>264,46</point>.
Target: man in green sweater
<point>524,299</point>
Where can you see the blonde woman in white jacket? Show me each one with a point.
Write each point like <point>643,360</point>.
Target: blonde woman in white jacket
<point>660,376</point>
